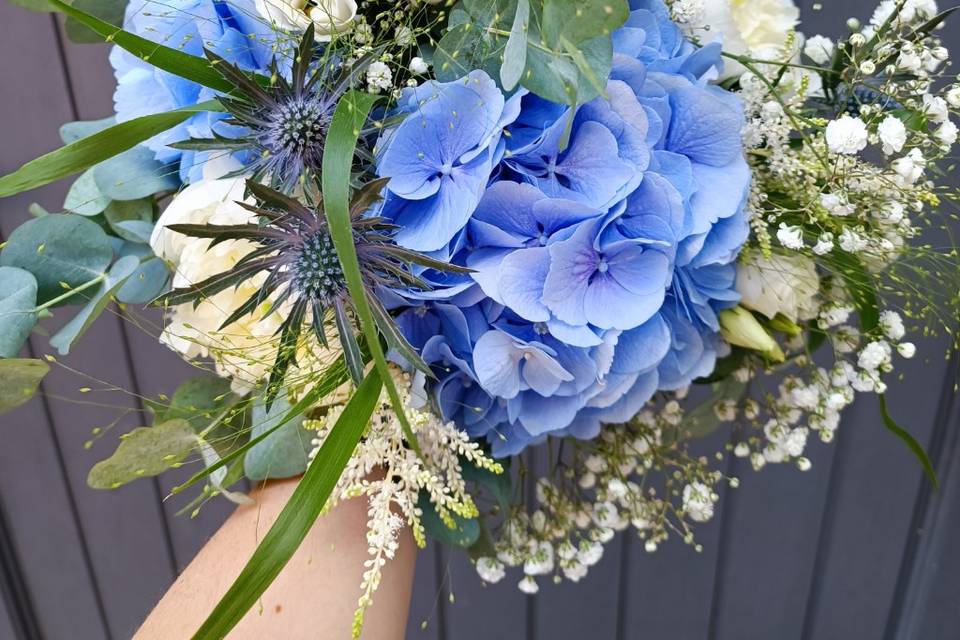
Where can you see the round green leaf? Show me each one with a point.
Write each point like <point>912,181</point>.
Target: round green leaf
<point>135,174</point>
<point>283,454</point>
<point>18,299</point>
<point>463,535</point>
<point>84,198</point>
<point>148,281</point>
<point>122,212</point>
<point>73,131</point>
<point>144,452</point>
<point>19,379</point>
<point>58,250</point>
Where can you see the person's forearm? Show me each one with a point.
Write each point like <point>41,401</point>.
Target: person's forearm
<point>313,597</point>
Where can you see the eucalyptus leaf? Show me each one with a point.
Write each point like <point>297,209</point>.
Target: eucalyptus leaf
<point>135,174</point>
<point>702,420</point>
<point>144,452</point>
<point>19,380</point>
<point>515,51</point>
<point>58,250</point>
<point>84,197</point>
<point>73,131</point>
<point>463,535</point>
<point>299,514</point>
<point>498,484</point>
<point>122,269</point>
<point>284,453</point>
<point>18,299</point>
<point>150,278</point>
<point>220,479</point>
<point>131,220</point>
<point>199,400</point>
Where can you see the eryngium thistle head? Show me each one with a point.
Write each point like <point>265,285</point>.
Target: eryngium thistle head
<point>305,280</point>
<point>286,120</point>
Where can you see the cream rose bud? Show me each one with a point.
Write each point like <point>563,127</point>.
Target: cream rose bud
<point>196,204</point>
<point>328,16</point>
<point>745,26</point>
<point>780,284</point>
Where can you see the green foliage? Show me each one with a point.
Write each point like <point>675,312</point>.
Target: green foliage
<point>94,149</point>
<point>131,220</point>
<point>19,380</point>
<point>110,11</point>
<point>498,484</point>
<point>199,401</point>
<point>122,269</point>
<point>135,174</point>
<point>73,131</point>
<point>348,120</point>
<point>144,452</point>
<point>559,49</point>
<point>18,299</point>
<point>299,514</point>
<point>702,420</point>
<point>284,453</point>
<point>463,535</point>
<point>85,197</point>
<point>58,250</point>
<point>149,279</point>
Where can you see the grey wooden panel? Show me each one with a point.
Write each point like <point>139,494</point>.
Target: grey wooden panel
<point>123,529</point>
<point>426,620</point>
<point>6,624</point>
<point>668,593</point>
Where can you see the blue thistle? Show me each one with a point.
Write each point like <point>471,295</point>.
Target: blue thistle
<point>295,249</point>
<point>286,121</point>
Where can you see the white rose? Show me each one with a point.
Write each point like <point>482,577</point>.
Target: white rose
<point>784,284</point>
<point>746,26</point>
<point>328,16</point>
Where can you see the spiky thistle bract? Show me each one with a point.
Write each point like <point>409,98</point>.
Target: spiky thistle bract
<point>304,278</point>
<point>285,122</point>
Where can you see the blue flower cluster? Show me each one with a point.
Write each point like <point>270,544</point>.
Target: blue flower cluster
<point>233,30</point>
<point>599,264</point>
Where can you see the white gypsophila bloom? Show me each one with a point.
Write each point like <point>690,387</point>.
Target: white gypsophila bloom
<point>819,49</point>
<point>846,135</point>
<point>835,315</point>
<point>528,586</point>
<point>912,11</point>
<point>953,97</point>
<point>779,284</point>
<point>947,133</point>
<point>490,570</point>
<point>698,501</point>
<point>540,561</point>
<point>910,167</point>
<point>892,325</point>
<point>790,236</point>
<point>906,349</point>
<point>418,65</point>
<point>824,244</point>
<point>574,571</point>
<point>874,356</point>
<point>893,134</point>
<point>936,108</point>
<point>909,60</point>
<point>329,17</point>
<point>852,242</point>
<point>379,77</point>
<point>836,204</point>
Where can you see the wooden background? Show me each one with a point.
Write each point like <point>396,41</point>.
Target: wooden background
<point>858,547</point>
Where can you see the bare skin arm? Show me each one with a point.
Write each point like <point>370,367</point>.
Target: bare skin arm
<point>315,595</point>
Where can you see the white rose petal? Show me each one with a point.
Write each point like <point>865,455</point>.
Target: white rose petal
<point>328,16</point>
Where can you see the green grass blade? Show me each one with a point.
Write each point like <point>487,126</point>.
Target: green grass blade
<point>348,120</point>
<point>86,152</point>
<point>182,64</point>
<point>299,514</point>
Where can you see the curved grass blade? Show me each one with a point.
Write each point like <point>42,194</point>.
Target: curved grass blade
<point>182,64</point>
<point>299,514</point>
<point>348,120</point>
<point>86,152</point>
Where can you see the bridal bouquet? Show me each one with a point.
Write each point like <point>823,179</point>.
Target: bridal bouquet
<point>408,241</point>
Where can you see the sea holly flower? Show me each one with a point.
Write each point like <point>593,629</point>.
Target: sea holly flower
<point>440,158</point>
<point>283,125</point>
<point>303,280</point>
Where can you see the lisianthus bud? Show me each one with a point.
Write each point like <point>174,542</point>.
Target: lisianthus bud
<point>739,327</point>
<point>328,16</point>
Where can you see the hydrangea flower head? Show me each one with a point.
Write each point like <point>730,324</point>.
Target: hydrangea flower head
<point>601,264</point>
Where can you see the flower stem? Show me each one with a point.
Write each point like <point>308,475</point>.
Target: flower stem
<point>83,287</point>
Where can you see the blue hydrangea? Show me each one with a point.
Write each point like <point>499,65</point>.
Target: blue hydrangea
<point>599,267</point>
<point>232,29</point>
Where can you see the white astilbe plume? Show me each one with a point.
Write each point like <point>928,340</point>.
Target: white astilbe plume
<point>392,476</point>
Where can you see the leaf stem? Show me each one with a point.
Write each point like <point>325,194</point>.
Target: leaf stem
<point>72,292</point>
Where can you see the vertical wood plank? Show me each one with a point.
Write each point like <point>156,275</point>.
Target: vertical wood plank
<point>426,619</point>
<point>122,529</point>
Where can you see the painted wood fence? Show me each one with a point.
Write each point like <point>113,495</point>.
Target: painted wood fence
<point>857,548</point>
